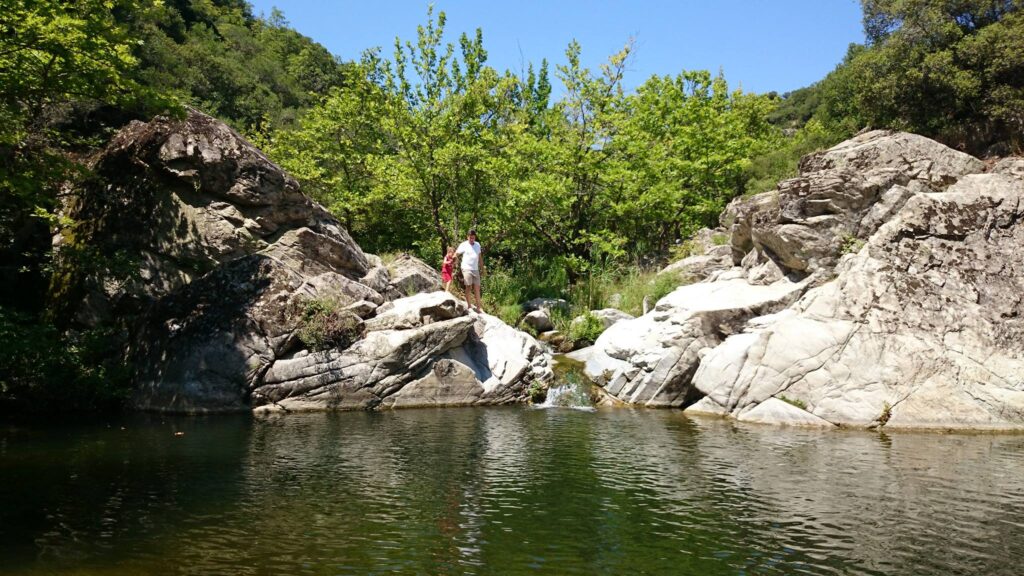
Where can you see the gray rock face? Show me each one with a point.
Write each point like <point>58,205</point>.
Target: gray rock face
<point>924,327</point>
<point>910,312</point>
<point>410,275</point>
<point>842,194</point>
<point>222,254</point>
<point>432,352</point>
<point>651,360</point>
<point>176,199</point>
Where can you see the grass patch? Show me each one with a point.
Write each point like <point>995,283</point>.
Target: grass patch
<point>794,402</point>
<point>850,245</point>
<point>886,414</point>
<point>585,329</point>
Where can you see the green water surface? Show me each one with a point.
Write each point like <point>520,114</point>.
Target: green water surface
<point>503,491</point>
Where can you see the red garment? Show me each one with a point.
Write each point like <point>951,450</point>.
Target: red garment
<point>446,270</point>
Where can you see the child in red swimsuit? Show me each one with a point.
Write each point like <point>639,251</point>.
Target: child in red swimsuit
<point>446,268</point>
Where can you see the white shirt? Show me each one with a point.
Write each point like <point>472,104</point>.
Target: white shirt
<point>470,255</point>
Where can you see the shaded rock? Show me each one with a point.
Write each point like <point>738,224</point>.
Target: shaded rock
<point>335,287</point>
<point>173,200</point>
<point>377,276</point>
<point>202,348</point>
<point>223,255</point>
<point>363,308</point>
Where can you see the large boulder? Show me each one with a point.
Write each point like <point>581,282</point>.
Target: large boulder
<point>173,200</point>
<point>923,326</point>
<point>216,263</point>
<point>431,351</point>
<point>651,360</point>
<point>841,197</point>
<point>410,275</point>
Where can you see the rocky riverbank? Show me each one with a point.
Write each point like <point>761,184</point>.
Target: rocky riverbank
<point>882,287</point>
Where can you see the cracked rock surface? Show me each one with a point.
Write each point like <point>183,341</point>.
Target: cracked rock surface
<point>918,324</point>
<point>212,255</point>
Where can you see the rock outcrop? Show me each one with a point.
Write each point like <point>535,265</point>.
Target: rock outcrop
<point>923,327</point>
<point>214,256</point>
<point>882,287</point>
<point>841,196</point>
<point>651,360</point>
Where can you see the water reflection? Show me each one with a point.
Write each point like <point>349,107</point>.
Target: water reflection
<point>504,491</point>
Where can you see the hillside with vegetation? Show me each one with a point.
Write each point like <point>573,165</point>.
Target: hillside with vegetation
<point>577,197</point>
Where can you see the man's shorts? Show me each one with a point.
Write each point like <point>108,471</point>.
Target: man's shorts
<point>472,277</point>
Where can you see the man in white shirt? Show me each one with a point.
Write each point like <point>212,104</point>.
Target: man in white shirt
<point>471,263</point>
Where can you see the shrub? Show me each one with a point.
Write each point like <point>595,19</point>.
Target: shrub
<point>793,401</point>
<point>585,328</point>
<point>325,325</point>
<point>850,245</point>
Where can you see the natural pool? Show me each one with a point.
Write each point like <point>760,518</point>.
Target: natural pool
<point>503,491</point>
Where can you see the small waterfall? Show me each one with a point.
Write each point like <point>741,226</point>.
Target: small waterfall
<point>573,392</point>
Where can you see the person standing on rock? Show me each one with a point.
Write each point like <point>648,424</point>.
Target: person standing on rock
<point>446,268</point>
<point>471,263</point>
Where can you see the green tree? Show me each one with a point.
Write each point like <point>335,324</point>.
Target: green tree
<point>949,70</point>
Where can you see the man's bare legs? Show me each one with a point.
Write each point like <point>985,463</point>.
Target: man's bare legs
<point>473,291</point>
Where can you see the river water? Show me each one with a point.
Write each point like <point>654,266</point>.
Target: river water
<point>503,491</point>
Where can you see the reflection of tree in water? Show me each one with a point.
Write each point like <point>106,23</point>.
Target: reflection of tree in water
<point>506,491</point>
<point>91,495</point>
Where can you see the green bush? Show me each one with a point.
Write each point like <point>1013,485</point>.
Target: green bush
<point>766,170</point>
<point>325,325</point>
<point>851,245</point>
<point>585,329</point>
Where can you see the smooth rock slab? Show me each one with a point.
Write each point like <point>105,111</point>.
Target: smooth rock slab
<point>650,360</point>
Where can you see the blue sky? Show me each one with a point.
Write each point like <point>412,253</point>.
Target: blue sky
<point>762,45</point>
